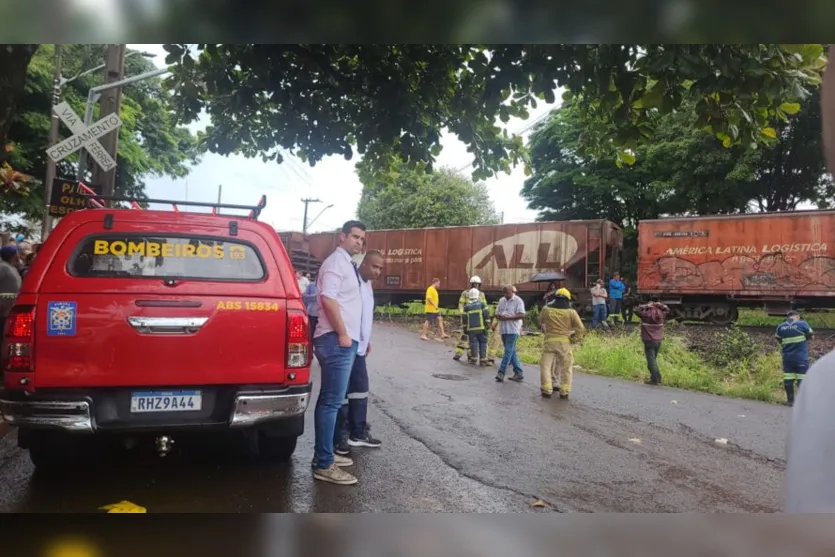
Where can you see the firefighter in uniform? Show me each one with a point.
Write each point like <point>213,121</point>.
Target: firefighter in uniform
<point>561,325</point>
<point>794,334</point>
<point>478,316</point>
<point>464,339</point>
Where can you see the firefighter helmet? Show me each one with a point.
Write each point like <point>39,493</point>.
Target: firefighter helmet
<point>473,295</point>
<point>563,293</point>
<point>475,280</point>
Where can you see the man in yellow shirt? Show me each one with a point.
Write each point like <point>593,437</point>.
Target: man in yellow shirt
<point>431,309</point>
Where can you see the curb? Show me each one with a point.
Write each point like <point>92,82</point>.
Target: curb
<point>4,428</point>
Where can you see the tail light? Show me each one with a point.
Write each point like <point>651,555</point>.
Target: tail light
<point>298,339</point>
<point>20,337</point>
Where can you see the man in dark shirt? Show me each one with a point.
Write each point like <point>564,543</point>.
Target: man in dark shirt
<point>652,317</point>
<point>794,334</point>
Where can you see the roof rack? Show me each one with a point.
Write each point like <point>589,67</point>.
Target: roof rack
<point>97,201</point>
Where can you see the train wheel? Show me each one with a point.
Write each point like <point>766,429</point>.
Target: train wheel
<point>724,315</point>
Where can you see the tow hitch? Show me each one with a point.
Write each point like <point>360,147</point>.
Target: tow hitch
<point>164,445</point>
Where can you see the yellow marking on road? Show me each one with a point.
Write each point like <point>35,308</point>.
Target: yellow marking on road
<point>123,507</point>
<point>71,548</point>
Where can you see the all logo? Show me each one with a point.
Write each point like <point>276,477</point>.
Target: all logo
<point>515,259</point>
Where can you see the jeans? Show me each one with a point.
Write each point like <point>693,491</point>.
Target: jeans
<point>336,363</point>
<point>651,351</point>
<point>510,355</point>
<point>313,320</point>
<point>478,344</point>
<point>599,314</point>
<point>353,415</point>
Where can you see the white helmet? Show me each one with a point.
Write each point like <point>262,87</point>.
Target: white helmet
<point>473,295</point>
<point>475,280</point>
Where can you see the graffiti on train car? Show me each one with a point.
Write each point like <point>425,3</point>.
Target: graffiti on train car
<point>780,270</point>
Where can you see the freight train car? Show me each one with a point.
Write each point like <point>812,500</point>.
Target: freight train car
<point>499,255</point>
<point>704,268</point>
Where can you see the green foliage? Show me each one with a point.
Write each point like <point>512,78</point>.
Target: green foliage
<point>732,345</point>
<point>415,198</point>
<point>758,318</point>
<point>150,142</point>
<point>622,356</point>
<point>13,62</point>
<point>684,170</point>
<point>386,100</point>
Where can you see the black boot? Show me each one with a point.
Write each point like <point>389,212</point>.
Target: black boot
<point>788,384</point>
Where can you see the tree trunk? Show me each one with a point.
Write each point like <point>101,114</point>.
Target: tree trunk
<point>14,60</point>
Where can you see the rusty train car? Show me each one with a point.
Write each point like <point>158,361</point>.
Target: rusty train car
<point>582,250</point>
<point>705,268</point>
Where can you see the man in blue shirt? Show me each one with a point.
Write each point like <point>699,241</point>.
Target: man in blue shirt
<point>310,296</point>
<point>794,334</point>
<point>616,290</point>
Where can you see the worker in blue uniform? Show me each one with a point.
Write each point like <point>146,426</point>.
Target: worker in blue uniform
<point>794,334</point>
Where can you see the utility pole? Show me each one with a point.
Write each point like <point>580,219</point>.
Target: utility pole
<point>307,201</point>
<point>111,103</point>
<point>219,189</point>
<point>46,224</point>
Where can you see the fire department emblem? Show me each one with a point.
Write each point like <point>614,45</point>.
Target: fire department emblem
<point>237,252</point>
<point>61,318</point>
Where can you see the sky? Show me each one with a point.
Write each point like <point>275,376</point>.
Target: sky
<point>333,180</point>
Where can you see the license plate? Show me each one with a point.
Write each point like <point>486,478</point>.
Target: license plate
<point>166,401</point>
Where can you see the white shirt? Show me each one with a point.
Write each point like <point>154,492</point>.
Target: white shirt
<point>339,280</point>
<point>367,317</point>
<point>303,284</point>
<point>513,306</point>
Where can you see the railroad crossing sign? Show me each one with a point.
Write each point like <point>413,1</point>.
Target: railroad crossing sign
<point>85,137</point>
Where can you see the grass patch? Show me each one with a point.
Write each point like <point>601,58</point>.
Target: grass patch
<point>758,377</point>
<point>758,318</point>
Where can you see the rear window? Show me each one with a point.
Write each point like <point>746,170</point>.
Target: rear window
<point>166,256</point>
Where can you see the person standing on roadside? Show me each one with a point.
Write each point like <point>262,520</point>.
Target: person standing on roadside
<point>310,297</point>
<point>510,312</point>
<point>598,305</point>
<point>794,334</point>
<point>464,340</point>
<point>352,428</point>
<point>302,280</point>
<point>478,316</point>
<point>335,343</point>
<point>616,290</point>
<point>561,325</point>
<point>432,310</point>
<point>652,317</point>
<point>10,281</point>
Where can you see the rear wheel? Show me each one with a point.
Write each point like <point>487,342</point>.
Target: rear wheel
<point>276,449</point>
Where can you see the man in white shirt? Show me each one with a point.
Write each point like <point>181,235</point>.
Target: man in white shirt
<point>303,281</point>
<point>598,304</point>
<point>510,312</point>
<point>353,429</point>
<point>335,343</point>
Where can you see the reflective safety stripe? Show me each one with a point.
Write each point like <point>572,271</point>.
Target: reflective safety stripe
<point>357,396</point>
<point>344,402</point>
<point>792,376</point>
<point>794,340</point>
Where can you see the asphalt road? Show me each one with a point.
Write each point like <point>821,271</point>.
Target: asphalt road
<point>456,441</point>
